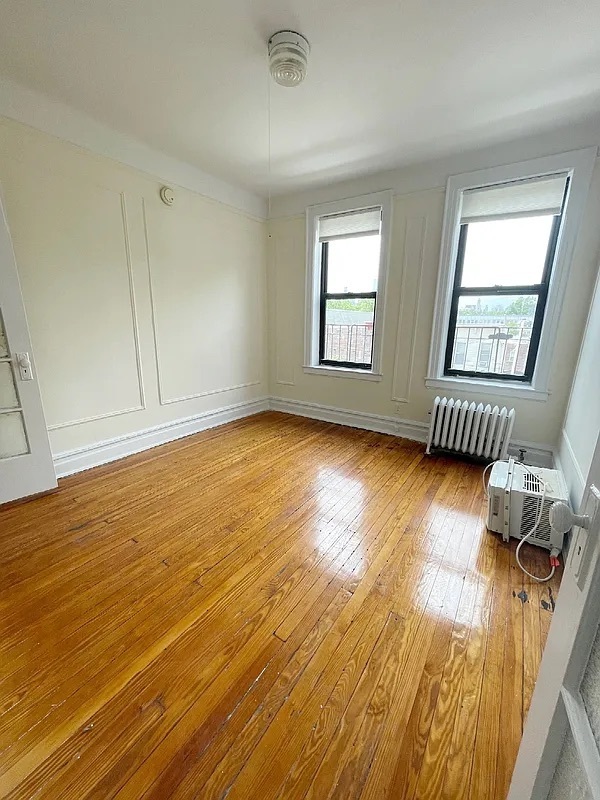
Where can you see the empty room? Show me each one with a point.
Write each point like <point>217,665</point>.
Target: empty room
<point>299,400</point>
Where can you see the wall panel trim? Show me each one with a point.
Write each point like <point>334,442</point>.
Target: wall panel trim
<point>94,455</point>
<point>415,233</point>
<point>136,337</point>
<point>95,417</point>
<point>209,392</point>
<point>162,399</point>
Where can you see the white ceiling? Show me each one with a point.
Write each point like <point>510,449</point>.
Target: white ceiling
<point>389,82</point>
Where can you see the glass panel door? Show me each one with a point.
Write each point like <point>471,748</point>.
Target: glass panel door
<point>590,689</point>
<point>13,439</point>
<point>569,781</point>
<point>577,772</point>
<point>26,464</point>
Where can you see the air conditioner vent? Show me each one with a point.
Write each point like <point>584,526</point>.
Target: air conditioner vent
<point>530,511</point>
<point>531,483</point>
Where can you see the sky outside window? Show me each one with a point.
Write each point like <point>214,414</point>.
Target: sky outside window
<point>507,252</point>
<point>353,264</point>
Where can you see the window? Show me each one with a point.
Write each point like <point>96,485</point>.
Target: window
<point>346,283</point>
<point>506,249</point>
<point>508,237</point>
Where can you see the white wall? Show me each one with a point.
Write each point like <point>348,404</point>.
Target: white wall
<point>581,427</point>
<point>140,314</point>
<point>416,233</point>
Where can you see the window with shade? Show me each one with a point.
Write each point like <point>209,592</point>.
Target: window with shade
<point>507,241</point>
<point>347,258</point>
<point>349,251</point>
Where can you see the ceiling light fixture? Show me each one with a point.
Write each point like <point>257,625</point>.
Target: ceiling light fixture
<point>288,57</point>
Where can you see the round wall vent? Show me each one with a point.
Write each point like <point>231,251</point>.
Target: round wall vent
<point>288,56</point>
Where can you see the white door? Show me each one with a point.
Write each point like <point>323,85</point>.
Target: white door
<point>559,757</point>
<point>25,459</point>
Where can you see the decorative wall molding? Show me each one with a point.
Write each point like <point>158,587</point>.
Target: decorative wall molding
<point>431,174</point>
<point>94,418</point>
<point>152,307</point>
<point>136,336</point>
<point>60,120</point>
<point>284,363</point>
<point>163,400</point>
<point>171,400</point>
<point>83,458</point>
<point>415,233</point>
<point>134,315</point>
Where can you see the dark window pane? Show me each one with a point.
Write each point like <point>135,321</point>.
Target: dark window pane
<point>506,252</point>
<point>353,265</point>
<point>493,333</point>
<point>349,330</point>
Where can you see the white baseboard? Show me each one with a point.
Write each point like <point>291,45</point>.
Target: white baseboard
<point>83,458</point>
<point>408,429</point>
<point>536,454</point>
<point>112,449</point>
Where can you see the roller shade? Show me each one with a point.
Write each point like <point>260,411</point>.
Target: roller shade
<point>527,198</point>
<point>365,222</point>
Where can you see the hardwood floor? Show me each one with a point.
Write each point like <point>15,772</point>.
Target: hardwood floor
<point>278,608</point>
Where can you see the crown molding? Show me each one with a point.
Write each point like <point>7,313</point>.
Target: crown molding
<point>64,122</point>
<point>432,174</point>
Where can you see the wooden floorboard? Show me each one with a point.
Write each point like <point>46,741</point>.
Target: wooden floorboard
<point>278,608</point>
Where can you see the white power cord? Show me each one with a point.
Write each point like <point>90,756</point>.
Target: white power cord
<point>538,519</point>
<point>531,532</point>
<point>486,494</point>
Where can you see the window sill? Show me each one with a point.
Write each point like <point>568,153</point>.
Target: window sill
<point>343,372</point>
<point>496,388</point>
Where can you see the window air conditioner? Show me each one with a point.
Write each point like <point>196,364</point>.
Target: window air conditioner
<point>514,496</point>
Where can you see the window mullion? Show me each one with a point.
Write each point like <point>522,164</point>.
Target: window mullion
<point>498,291</point>
<point>350,295</point>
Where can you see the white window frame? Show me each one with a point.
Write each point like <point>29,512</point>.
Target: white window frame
<point>313,280</point>
<point>578,165</point>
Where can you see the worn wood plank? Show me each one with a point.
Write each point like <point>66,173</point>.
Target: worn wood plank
<point>278,608</point>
